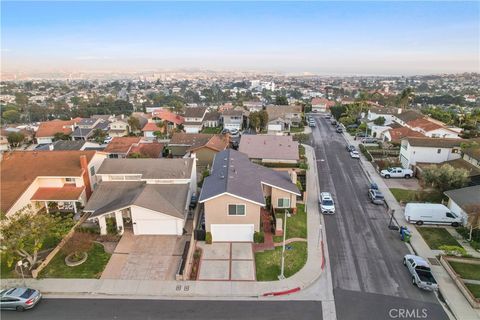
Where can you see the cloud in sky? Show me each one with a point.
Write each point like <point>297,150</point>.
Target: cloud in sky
<point>320,37</point>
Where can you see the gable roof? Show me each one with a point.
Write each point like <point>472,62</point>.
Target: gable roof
<point>49,128</point>
<point>151,126</point>
<point>211,116</point>
<point>149,168</point>
<point>195,112</point>
<point>275,112</point>
<point>148,150</point>
<point>233,173</point>
<point>434,142</point>
<point>168,116</point>
<point>473,152</point>
<point>269,147</point>
<point>20,168</point>
<point>397,134</point>
<point>197,140</point>
<point>465,196</point>
<point>170,199</point>
<point>121,144</point>
<point>409,115</point>
<point>425,124</point>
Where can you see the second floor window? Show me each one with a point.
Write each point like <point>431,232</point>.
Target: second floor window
<point>236,209</point>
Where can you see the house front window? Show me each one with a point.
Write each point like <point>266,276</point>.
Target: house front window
<point>236,209</point>
<point>283,203</point>
<point>92,170</point>
<point>439,150</point>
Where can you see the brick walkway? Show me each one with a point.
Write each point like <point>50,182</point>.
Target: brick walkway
<point>267,230</point>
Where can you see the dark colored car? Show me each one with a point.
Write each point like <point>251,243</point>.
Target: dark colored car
<point>352,126</point>
<point>361,135</point>
<point>375,196</point>
<point>339,130</point>
<point>350,148</point>
<point>333,122</point>
<point>373,186</point>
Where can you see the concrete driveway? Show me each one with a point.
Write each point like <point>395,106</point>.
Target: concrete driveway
<point>153,257</point>
<point>227,261</point>
<point>410,184</point>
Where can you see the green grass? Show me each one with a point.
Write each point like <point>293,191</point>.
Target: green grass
<point>268,262</point>
<point>466,270</point>
<point>296,224</point>
<point>7,272</point>
<point>406,195</point>
<point>297,129</point>
<point>437,237</point>
<point>212,130</point>
<point>92,268</point>
<point>474,289</point>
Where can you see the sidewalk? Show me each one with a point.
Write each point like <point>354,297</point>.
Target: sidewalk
<point>455,300</point>
<point>136,289</point>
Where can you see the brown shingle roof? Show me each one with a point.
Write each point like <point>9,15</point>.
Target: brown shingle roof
<point>195,112</point>
<point>64,193</point>
<point>409,115</point>
<point>20,168</point>
<point>190,139</point>
<point>121,144</point>
<point>473,152</point>
<point>434,142</point>
<point>148,150</point>
<point>269,147</point>
<point>216,143</point>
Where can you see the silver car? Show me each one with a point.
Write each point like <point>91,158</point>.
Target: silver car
<point>19,299</point>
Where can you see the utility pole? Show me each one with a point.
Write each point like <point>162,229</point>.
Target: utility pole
<point>282,269</point>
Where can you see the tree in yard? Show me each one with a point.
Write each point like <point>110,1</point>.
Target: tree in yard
<point>281,101</point>
<point>473,213</point>
<point>11,116</point>
<point>134,124</point>
<point>445,177</point>
<point>15,139</point>
<point>61,136</point>
<point>99,135</point>
<point>254,120</point>
<point>405,98</point>
<point>301,138</point>
<point>263,116</point>
<point>380,121</point>
<point>79,243</point>
<point>21,99</point>
<point>25,232</point>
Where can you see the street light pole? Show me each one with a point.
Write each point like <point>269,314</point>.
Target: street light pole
<point>282,269</point>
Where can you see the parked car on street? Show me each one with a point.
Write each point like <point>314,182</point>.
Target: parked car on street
<point>333,122</point>
<point>354,154</point>
<point>339,130</point>
<point>373,186</point>
<point>327,206</point>
<point>432,213</point>
<point>19,299</point>
<point>396,172</point>
<point>311,124</point>
<point>421,273</point>
<point>328,116</point>
<point>375,196</point>
<point>350,148</point>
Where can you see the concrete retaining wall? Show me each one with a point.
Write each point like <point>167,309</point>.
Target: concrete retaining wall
<point>444,260</point>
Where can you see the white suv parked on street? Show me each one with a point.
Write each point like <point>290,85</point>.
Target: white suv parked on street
<point>327,206</point>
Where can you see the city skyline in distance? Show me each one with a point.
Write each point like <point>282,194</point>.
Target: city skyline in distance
<point>324,38</point>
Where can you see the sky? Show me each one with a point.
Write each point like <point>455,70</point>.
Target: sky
<point>335,38</point>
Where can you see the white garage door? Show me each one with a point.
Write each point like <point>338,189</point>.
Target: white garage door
<point>155,227</point>
<point>232,232</point>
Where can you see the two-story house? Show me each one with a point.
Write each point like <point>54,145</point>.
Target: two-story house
<point>321,104</point>
<point>428,150</point>
<point>232,119</point>
<point>194,117</point>
<point>150,196</point>
<point>46,130</point>
<point>236,191</point>
<point>281,118</point>
<point>86,128</point>
<point>44,178</point>
<point>119,127</point>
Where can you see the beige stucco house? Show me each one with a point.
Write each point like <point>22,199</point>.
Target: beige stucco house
<point>236,191</point>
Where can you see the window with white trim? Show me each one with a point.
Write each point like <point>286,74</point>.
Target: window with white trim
<point>236,209</point>
<point>283,203</point>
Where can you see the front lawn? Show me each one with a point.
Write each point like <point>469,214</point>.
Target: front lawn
<point>466,270</point>
<point>297,129</point>
<point>474,289</point>
<point>406,195</point>
<point>268,263</point>
<point>213,130</point>
<point>296,224</point>
<point>92,268</point>
<point>437,237</point>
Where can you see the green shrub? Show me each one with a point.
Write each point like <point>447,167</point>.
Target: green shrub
<point>454,251</point>
<point>364,151</point>
<point>208,238</point>
<point>303,166</point>
<point>91,230</point>
<point>258,237</point>
<point>111,225</point>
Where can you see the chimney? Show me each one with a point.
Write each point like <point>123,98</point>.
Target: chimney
<point>293,176</point>
<point>86,175</point>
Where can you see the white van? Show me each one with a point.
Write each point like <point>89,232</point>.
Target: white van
<point>431,213</point>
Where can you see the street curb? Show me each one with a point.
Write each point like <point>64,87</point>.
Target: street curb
<point>281,293</point>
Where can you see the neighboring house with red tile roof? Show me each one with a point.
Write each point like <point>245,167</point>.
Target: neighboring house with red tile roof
<point>47,130</point>
<point>170,117</point>
<point>39,177</point>
<point>149,130</point>
<point>124,147</point>
<point>321,104</point>
<point>204,146</point>
<point>433,128</point>
<point>397,134</point>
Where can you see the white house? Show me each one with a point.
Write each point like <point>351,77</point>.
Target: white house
<point>151,196</point>
<point>428,150</point>
<point>194,117</point>
<point>460,199</point>
<point>387,113</point>
<point>232,119</point>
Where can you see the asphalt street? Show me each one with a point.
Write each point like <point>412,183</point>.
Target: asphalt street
<point>368,276</point>
<point>93,309</point>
